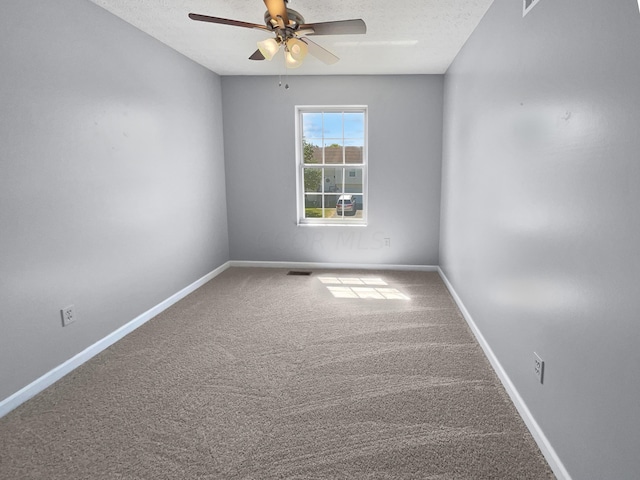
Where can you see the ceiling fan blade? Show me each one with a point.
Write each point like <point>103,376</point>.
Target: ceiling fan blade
<point>257,55</point>
<point>277,8</point>
<point>340,27</point>
<point>319,52</point>
<point>225,21</point>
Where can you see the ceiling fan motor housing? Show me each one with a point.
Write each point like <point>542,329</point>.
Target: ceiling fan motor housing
<point>277,25</point>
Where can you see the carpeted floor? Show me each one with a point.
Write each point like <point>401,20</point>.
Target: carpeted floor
<point>261,375</point>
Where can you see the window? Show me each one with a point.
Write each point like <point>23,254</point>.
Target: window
<point>332,165</point>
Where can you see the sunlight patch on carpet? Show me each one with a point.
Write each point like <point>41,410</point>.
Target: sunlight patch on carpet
<point>362,287</point>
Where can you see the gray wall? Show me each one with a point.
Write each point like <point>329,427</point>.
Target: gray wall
<point>112,193</point>
<point>540,220</point>
<point>405,141</point>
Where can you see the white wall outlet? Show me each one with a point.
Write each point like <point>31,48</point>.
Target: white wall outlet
<point>538,367</point>
<point>387,242</point>
<point>68,315</point>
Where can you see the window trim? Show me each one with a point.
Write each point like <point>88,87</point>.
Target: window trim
<point>299,159</point>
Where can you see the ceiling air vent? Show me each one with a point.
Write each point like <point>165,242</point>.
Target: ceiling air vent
<point>527,5</point>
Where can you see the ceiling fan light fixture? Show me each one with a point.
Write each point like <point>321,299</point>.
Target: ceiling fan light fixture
<point>297,48</point>
<point>290,61</point>
<point>268,48</point>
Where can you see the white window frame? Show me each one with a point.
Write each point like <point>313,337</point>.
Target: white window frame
<point>300,193</point>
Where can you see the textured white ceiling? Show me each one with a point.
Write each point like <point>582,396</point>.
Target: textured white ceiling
<point>403,36</point>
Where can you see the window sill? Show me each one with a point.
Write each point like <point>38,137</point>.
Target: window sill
<point>320,223</point>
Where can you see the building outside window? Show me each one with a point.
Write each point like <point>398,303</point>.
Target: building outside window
<point>332,164</point>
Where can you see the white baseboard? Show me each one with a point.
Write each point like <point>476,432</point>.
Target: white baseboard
<point>328,266</point>
<point>63,369</point>
<point>538,435</point>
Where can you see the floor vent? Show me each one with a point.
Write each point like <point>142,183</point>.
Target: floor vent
<point>299,273</point>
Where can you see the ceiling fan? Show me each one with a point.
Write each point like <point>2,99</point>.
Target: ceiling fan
<point>291,31</point>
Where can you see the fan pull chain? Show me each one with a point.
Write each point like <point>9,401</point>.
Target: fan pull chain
<point>286,77</point>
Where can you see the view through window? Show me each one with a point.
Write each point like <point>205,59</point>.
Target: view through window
<point>332,162</point>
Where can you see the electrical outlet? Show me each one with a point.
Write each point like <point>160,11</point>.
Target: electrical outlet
<point>68,315</point>
<point>538,367</point>
<point>387,242</point>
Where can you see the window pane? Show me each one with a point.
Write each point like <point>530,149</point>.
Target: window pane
<point>312,125</point>
<point>353,181</point>
<point>333,125</point>
<point>353,153</point>
<point>360,207</point>
<point>347,206</point>
<point>354,125</point>
<point>333,150</point>
<point>312,150</point>
<point>313,206</point>
<point>312,179</point>
<point>333,180</point>
<point>330,201</point>
<point>330,206</point>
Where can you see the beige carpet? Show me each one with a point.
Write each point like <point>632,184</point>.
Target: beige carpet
<point>260,375</point>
